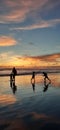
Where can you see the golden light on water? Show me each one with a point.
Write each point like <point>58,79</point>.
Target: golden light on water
<point>39,79</point>
<point>7,99</point>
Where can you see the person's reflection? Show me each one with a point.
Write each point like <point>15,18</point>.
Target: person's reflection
<point>11,83</point>
<point>33,84</point>
<point>13,86</point>
<point>46,85</point>
<point>33,76</point>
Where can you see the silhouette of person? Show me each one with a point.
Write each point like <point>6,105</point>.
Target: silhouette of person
<point>33,76</point>
<point>11,81</point>
<point>14,73</point>
<point>33,81</point>
<point>13,86</point>
<point>11,77</point>
<point>33,86</point>
<point>46,86</point>
<point>46,76</point>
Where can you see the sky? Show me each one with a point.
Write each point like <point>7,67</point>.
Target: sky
<point>30,33</point>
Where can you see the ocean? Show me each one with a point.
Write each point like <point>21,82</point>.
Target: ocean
<point>26,105</point>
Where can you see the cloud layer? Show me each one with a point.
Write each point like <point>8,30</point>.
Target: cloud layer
<point>7,41</point>
<point>10,59</point>
<point>21,10</point>
<point>41,24</point>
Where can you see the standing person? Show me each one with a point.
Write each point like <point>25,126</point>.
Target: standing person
<point>33,80</point>
<point>33,76</point>
<point>46,76</point>
<point>14,72</point>
<point>46,85</point>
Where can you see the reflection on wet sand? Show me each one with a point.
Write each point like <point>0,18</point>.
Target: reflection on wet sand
<point>32,121</point>
<point>38,79</point>
<point>33,84</point>
<point>46,85</point>
<point>26,80</point>
<point>13,86</point>
<point>28,111</point>
<point>7,99</point>
<point>55,79</point>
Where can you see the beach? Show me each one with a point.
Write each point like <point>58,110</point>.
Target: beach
<point>29,65</point>
<point>30,106</point>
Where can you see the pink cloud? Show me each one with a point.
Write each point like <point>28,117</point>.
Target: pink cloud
<point>42,24</point>
<point>18,11</point>
<point>7,41</point>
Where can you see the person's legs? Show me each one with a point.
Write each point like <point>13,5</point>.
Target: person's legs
<point>13,77</point>
<point>45,80</point>
<point>49,79</point>
<point>10,77</point>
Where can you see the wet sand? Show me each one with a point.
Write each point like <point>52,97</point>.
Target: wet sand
<point>29,109</point>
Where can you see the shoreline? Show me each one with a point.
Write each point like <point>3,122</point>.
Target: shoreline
<point>29,73</point>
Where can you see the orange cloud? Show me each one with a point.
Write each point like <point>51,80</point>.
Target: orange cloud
<point>14,16</point>
<point>40,61</point>
<point>7,58</point>
<point>10,59</point>
<point>50,58</point>
<point>7,41</point>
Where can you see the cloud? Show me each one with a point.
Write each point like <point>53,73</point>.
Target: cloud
<point>13,16</point>
<point>50,57</point>
<point>5,55</point>
<point>18,11</point>
<point>7,41</point>
<point>51,4</point>
<point>31,43</point>
<point>11,59</point>
<point>6,58</point>
<point>42,24</point>
<point>40,61</point>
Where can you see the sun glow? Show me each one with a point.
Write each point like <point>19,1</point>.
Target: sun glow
<point>9,59</point>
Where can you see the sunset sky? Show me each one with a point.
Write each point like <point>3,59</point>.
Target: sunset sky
<point>30,33</point>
